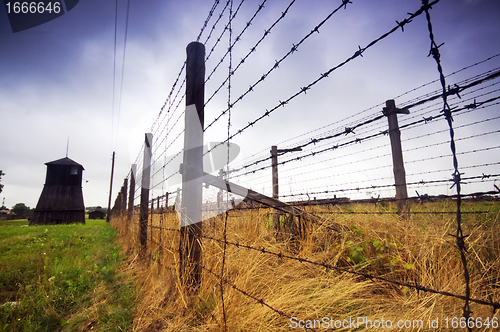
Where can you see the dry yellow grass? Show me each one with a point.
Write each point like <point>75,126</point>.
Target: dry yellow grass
<point>380,244</point>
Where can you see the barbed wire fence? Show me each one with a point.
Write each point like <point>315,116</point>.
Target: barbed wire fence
<point>322,149</point>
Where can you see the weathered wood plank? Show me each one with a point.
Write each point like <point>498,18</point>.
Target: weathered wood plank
<point>263,199</point>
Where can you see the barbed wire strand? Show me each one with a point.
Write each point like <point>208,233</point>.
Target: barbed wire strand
<point>230,50</point>
<point>460,238</point>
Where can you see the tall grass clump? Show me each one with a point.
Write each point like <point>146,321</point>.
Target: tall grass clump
<point>377,242</point>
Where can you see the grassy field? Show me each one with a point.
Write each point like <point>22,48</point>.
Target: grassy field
<point>63,278</point>
<point>378,243</point>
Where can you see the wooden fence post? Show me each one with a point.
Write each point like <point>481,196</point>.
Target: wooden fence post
<point>274,164</point>
<point>108,214</point>
<point>274,167</point>
<point>146,170</point>
<point>392,112</point>
<point>131,193</point>
<point>124,197</point>
<point>192,168</point>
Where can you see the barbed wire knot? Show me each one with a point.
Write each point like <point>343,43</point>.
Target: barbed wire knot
<point>348,130</point>
<point>359,52</point>
<point>454,91</point>
<point>471,106</point>
<point>434,51</point>
<point>430,118</point>
<point>457,179</point>
<point>345,3</point>
<point>426,4</point>
<point>403,23</point>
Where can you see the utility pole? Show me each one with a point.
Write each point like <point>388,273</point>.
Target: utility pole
<point>110,187</point>
<point>392,112</point>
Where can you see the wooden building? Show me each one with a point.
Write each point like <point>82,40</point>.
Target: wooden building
<point>97,214</point>
<point>61,201</point>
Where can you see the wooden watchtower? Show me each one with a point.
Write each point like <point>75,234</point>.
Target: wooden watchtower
<point>61,201</point>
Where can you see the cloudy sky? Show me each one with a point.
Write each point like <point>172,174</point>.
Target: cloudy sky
<point>56,83</point>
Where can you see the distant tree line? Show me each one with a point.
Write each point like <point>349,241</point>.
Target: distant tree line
<point>93,208</point>
<point>20,209</point>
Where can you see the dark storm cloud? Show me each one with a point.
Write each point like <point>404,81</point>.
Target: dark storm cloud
<point>45,52</point>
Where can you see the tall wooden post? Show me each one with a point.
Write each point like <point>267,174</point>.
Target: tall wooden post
<point>131,193</point>
<point>192,168</point>
<point>146,171</point>
<point>110,187</point>
<point>392,112</point>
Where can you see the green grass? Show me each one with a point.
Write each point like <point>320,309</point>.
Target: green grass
<point>62,278</point>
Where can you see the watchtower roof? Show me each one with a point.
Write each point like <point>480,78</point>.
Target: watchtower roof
<point>64,161</point>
